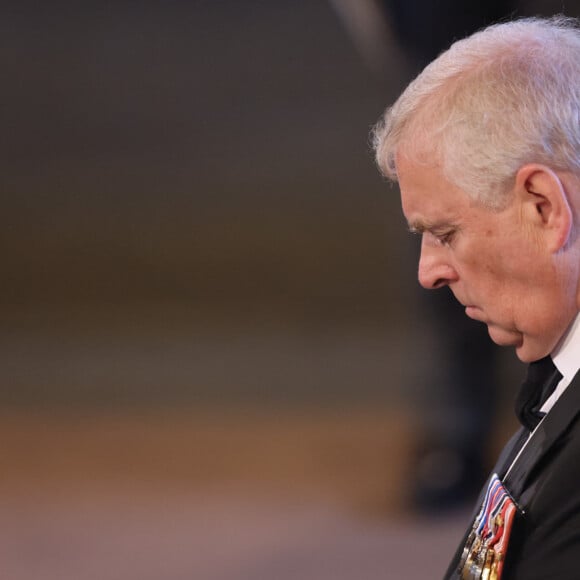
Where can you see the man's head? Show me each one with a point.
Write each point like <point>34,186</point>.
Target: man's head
<point>485,144</point>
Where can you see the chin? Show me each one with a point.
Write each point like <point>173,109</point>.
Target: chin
<point>528,355</point>
<point>506,337</point>
<point>529,351</point>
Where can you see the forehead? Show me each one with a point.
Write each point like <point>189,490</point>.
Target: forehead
<point>427,196</point>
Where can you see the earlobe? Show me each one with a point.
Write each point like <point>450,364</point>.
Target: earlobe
<point>547,204</point>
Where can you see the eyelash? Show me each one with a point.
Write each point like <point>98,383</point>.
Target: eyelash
<point>446,238</point>
<point>443,239</point>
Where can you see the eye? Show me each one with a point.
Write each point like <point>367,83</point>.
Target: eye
<point>445,238</point>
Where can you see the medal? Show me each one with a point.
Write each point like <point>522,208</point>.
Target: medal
<point>486,546</point>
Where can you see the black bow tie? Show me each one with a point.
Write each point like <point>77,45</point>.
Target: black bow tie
<point>543,376</point>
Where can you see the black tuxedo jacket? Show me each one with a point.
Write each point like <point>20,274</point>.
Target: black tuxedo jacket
<point>545,483</point>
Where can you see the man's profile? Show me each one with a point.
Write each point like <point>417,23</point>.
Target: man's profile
<point>485,146</point>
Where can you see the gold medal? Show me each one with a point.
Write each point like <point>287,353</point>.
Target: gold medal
<point>486,546</point>
<point>487,565</point>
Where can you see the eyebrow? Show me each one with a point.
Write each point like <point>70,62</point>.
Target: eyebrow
<point>421,226</point>
<point>417,227</point>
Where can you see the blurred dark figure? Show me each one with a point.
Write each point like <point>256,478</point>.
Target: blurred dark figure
<point>425,28</point>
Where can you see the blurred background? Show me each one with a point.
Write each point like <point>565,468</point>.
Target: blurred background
<point>210,347</point>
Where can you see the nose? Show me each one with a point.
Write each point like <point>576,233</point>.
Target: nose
<point>435,268</point>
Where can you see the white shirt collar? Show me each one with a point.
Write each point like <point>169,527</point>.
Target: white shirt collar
<point>566,357</point>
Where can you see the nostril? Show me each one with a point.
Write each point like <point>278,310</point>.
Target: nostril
<point>439,283</point>
<point>435,275</point>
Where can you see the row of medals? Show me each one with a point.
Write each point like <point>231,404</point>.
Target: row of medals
<point>484,551</point>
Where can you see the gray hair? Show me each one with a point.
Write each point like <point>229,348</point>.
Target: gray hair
<point>503,97</point>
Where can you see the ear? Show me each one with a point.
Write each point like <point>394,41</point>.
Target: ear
<point>545,204</point>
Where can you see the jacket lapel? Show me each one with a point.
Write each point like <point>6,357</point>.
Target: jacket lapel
<point>548,432</point>
<point>544,437</point>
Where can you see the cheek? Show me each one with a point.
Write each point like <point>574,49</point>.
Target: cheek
<point>497,279</point>
<point>510,267</point>
<point>495,258</point>
<point>481,266</point>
